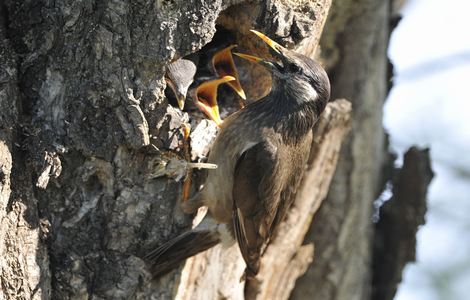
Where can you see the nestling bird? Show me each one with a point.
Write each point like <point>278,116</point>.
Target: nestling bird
<point>206,97</point>
<point>261,153</point>
<point>179,76</point>
<point>199,73</point>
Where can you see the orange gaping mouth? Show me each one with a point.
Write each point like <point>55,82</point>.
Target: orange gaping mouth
<point>206,97</point>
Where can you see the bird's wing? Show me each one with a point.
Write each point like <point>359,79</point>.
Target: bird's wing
<point>255,200</point>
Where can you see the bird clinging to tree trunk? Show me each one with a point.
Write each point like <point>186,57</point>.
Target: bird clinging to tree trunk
<point>261,153</point>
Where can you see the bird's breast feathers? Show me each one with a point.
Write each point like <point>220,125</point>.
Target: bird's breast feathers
<point>217,191</point>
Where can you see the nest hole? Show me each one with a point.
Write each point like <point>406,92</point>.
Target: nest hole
<point>232,28</point>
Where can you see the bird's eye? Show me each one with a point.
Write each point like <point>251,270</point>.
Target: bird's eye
<point>294,68</point>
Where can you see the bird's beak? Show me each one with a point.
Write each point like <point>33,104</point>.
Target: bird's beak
<point>275,46</point>
<point>277,51</point>
<point>180,98</point>
<point>223,65</point>
<point>255,59</point>
<point>206,97</point>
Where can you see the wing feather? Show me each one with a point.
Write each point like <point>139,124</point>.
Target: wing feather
<point>255,200</point>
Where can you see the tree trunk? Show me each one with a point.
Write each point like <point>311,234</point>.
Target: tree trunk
<point>86,131</point>
<point>354,45</point>
<point>400,218</point>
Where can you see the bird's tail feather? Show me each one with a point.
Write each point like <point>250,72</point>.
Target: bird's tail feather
<point>169,255</point>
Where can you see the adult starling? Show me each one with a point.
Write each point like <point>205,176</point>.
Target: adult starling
<point>261,152</point>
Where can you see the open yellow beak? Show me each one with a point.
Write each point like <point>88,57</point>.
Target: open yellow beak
<point>278,49</point>
<point>223,65</point>
<point>206,97</point>
<point>275,46</point>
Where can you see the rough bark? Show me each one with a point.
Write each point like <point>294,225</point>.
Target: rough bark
<point>23,254</point>
<point>85,132</point>
<point>399,220</point>
<point>354,46</point>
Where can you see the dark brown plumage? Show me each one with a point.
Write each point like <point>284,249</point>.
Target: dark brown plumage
<point>261,152</point>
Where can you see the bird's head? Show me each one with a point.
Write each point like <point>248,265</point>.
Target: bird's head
<point>301,78</point>
<point>179,76</point>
